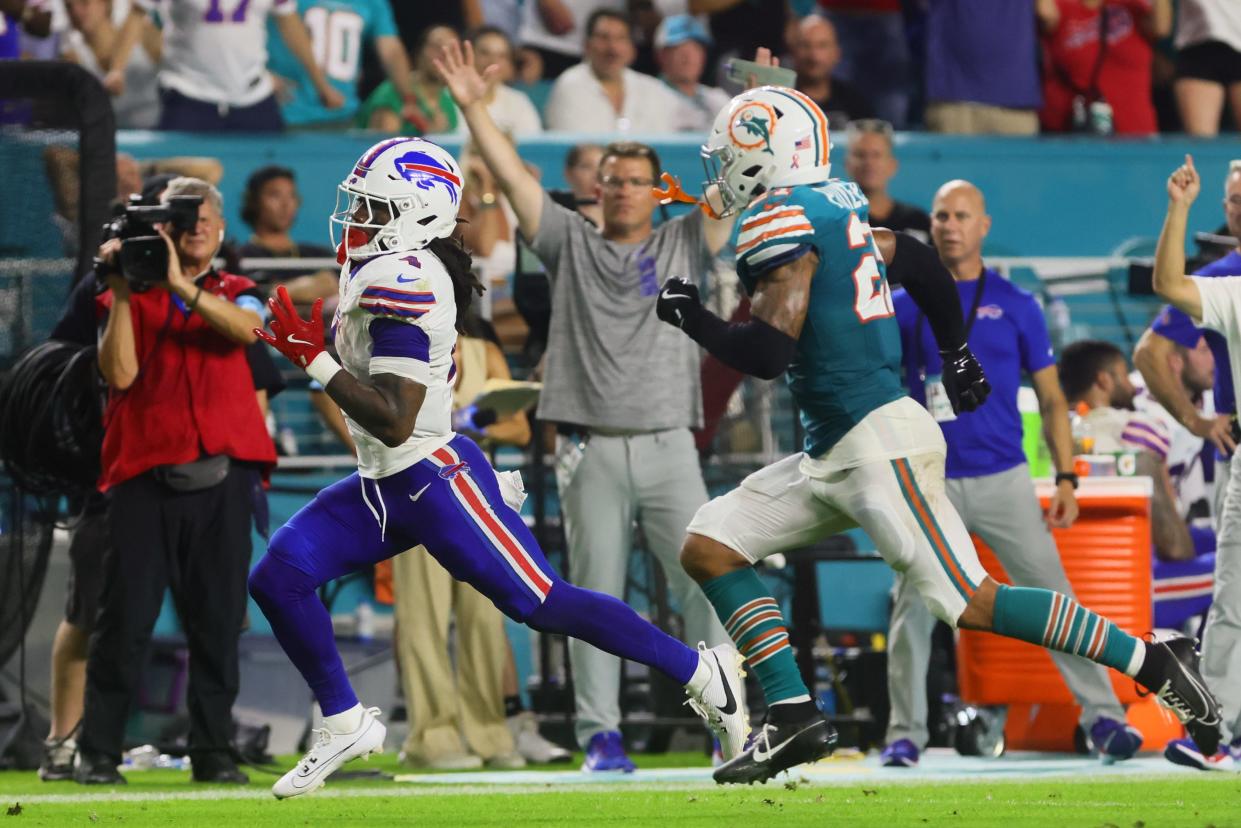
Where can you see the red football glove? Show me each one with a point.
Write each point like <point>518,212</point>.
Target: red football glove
<point>301,340</point>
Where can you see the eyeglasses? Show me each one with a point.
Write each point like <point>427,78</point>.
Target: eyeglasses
<point>611,182</point>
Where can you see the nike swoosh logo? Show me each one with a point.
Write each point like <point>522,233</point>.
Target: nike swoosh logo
<point>762,756</point>
<point>297,341</point>
<point>730,701</point>
<point>668,294</point>
<point>418,493</point>
<point>405,281</point>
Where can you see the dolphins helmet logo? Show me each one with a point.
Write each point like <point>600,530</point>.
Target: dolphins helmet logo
<point>426,172</point>
<point>751,126</point>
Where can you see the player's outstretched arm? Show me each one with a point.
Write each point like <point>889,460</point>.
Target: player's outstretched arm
<point>916,267</point>
<point>384,404</point>
<point>764,346</point>
<point>1170,280</point>
<point>469,90</point>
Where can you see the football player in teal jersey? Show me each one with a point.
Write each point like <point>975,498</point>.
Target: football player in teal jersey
<point>821,308</point>
<point>338,30</point>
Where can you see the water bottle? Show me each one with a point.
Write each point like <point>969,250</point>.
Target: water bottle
<point>1083,433</point>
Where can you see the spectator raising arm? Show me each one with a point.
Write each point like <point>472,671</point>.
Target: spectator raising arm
<point>469,91</point>
<point>293,32</point>
<point>1170,280</point>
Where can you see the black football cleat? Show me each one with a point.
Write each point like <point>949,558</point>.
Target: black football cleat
<point>1171,673</point>
<point>777,747</point>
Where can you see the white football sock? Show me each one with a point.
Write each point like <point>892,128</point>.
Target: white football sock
<point>795,700</point>
<point>701,678</point>
<point>346,721</point>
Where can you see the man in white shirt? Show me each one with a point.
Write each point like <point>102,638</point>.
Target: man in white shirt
<point>1213,303</point>
<point>213,70</point>
<point>602,94</point>
<point>681,43</point>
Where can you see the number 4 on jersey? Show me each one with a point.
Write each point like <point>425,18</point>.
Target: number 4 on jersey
<point>872,298</point>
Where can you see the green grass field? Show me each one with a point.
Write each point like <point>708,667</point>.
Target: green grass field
<point>168,798</point>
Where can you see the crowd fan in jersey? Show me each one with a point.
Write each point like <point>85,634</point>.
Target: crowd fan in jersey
<point>213,63</point>
<point>1214,303</point>
<point>623,389</point>
<point>1096,377</point>
<point>183,453</point>
<point>1097,59</point>
<point>340,30</point>
<point>988,480</point>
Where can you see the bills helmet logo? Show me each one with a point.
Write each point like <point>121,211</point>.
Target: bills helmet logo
<point>426,172</point>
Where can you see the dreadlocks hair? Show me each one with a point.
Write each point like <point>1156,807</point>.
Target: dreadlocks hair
<point>457,261</point>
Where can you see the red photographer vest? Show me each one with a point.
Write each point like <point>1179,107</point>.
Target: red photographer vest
<point>194,394</point>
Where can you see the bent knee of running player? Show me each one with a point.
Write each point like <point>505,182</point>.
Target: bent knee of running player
<point>704,558</point>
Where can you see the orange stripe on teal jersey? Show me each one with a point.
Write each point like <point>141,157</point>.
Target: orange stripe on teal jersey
<point>791,230</point>
<point>930,528</point>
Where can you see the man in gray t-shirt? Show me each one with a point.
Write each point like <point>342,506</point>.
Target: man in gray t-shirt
<point>625,385</point>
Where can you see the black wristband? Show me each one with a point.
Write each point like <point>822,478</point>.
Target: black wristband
<point>1070,477</point>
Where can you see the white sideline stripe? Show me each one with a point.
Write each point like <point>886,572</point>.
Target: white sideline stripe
<point>938,765</point>
<point>341,792</point>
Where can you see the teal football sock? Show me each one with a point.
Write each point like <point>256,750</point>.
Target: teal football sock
<point>754,621</point>
<point>1057,622</point>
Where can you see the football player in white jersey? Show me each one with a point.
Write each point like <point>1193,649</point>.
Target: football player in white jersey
<point>213,69</point>
<point>404,286</point>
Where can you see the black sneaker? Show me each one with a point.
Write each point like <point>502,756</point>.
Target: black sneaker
<point>96,769</point>
<point>1171,673</point>
<point>778,746</point>
<point>57,765</point>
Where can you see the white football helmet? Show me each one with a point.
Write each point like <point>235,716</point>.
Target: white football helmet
<point>765,138</point>
<point>419,183</point>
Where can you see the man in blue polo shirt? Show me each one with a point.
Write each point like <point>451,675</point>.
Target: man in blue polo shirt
<point>988,479</point>
<point>338,30</point>
<point>1221,639</point>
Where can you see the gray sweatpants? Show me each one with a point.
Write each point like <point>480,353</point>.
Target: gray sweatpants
<point>652,478</point>
<point>1004,511</point>
<point>1221,641</point>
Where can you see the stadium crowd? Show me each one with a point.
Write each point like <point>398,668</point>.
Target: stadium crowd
<point>1126,67</point>
<point>624,70</point>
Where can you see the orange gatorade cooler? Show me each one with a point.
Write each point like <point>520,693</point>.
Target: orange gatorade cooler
<point>1107,557</point>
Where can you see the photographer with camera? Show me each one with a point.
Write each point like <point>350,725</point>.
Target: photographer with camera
<point>183,447</point>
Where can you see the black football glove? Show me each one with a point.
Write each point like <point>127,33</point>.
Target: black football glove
<point>964,380</point>
<point>678,301</point>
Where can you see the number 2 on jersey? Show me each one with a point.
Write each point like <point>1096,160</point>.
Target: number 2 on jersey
<point>872,297</point>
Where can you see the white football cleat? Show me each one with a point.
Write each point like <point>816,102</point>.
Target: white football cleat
<point>721,702</point>
<point>329,752</point>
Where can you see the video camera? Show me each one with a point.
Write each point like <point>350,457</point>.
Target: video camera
<point>144,255</point>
